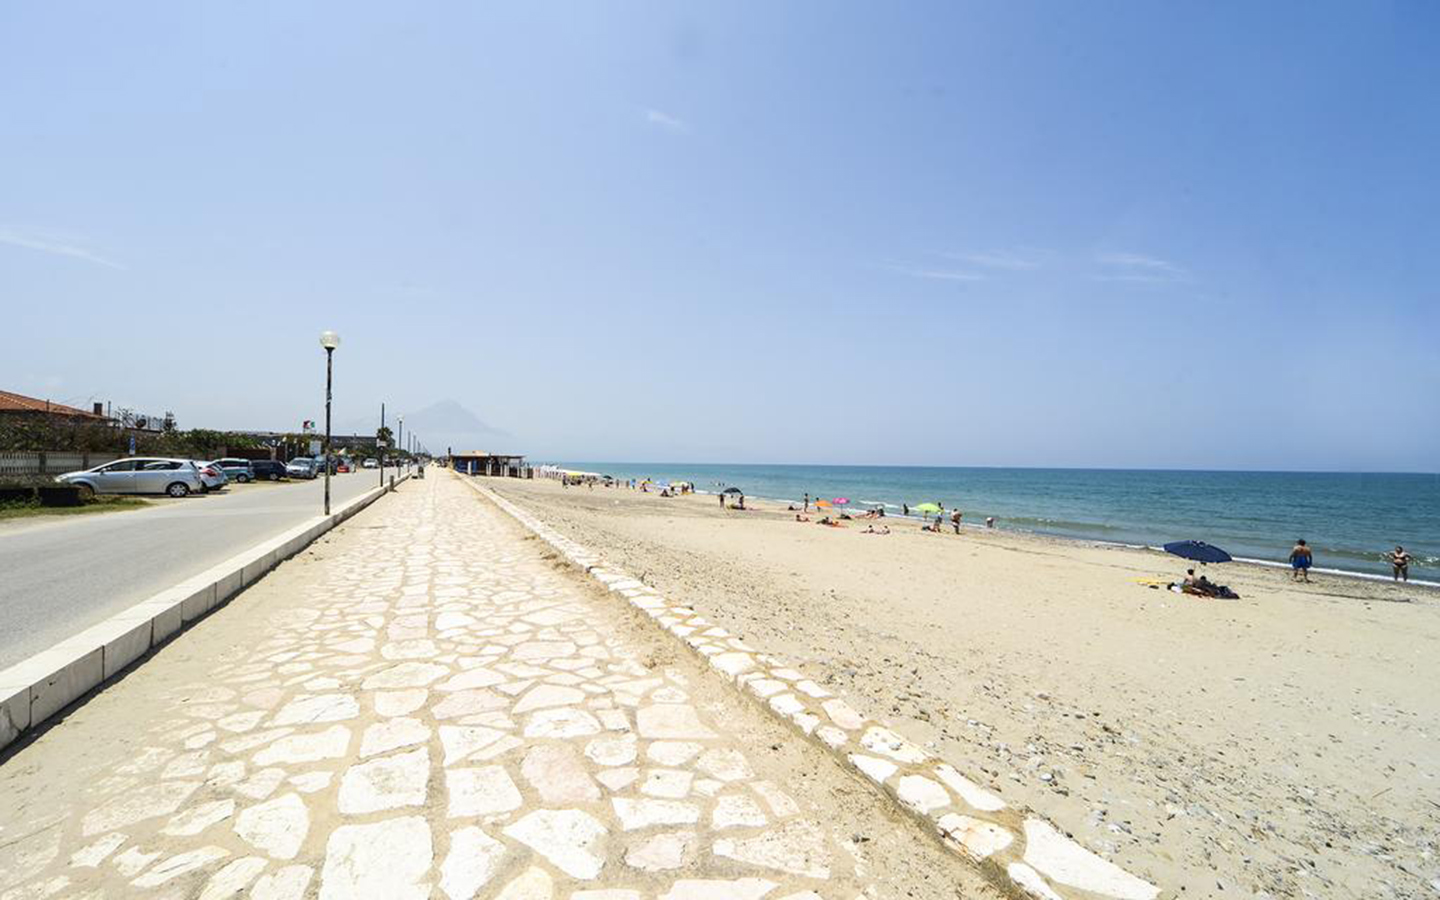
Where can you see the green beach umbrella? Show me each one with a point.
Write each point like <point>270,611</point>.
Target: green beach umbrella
<point>926,508</point>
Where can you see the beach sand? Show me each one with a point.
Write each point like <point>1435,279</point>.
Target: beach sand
<point>1281,745</point>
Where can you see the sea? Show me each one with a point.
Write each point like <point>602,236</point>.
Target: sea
<point>1349,519</point>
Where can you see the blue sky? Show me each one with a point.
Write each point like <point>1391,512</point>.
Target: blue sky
<point>1105,234</point>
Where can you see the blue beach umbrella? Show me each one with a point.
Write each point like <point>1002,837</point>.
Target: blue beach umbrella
<point>1198,551</point>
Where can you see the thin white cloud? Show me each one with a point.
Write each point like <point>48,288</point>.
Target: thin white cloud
<point>662,120</point>
<point>1139,269</point>
<point>934,274</point>
<point>1000,259</point>
<point>61,247</point>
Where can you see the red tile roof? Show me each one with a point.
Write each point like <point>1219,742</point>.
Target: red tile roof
<point>10,402</point>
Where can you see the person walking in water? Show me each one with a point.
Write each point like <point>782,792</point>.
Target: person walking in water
<point>1399,563</point>
<point>1300,561</point>
<point>807,501</point>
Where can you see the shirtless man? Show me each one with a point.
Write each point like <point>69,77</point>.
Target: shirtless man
<point>1300,561</point>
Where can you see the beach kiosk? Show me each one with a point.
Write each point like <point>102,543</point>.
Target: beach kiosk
<point>493,465</point>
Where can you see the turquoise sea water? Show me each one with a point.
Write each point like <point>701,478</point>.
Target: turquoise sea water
<point>1349,518</point>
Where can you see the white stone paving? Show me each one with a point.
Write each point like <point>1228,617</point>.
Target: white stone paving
<point>441,714</point>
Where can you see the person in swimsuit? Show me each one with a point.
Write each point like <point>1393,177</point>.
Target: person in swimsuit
<point>955,520</point>
<point>1400,563</point>
<point>1300,560</point>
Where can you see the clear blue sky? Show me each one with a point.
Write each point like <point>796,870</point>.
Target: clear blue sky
<point>1099,234</point>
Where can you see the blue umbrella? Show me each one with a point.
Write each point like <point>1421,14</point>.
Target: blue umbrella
<point>1198,551</point>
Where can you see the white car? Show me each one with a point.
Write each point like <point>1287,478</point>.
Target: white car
<point>371,464</point>
<point>212,478</point>
<point>138,475</point>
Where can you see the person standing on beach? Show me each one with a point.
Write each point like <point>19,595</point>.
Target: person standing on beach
<point>1399,563</point>
<point>807,501</point>
<point>905,508</point>
<point>1300,561</point>
<point>955,520</point>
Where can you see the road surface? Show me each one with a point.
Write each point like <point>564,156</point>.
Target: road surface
<point>60,576</point>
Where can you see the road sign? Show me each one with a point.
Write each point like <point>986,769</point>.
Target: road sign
<point>314,448</point>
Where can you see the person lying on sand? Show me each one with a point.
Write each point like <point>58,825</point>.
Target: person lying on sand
<point>1204,587</point>
<point>800,518</point>
<point>831,522</point>
<point>884,529</point>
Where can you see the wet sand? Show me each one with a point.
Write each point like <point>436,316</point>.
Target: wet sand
<point>1280,745</point>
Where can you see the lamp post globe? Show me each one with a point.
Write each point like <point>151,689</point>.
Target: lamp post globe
<point>329,340</point>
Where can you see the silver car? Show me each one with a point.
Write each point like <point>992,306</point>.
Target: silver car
<point>138,475</point>
<point>302,467</point>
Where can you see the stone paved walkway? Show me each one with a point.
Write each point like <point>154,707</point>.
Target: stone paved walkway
<point>442,713</point>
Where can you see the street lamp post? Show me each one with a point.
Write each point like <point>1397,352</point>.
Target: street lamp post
<point>329,340</point>
<point>400,443</point>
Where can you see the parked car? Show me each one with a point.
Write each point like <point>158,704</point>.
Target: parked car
<point>302,467</point>
<point>238,469</point>
<point>268,469</point>
<point>212,478</point>
<point>371,464</point>
<point>343,467</point>
<point>138,475</point>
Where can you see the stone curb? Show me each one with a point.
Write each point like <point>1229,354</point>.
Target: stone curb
<point>37,688</point>
<point>1023,853</point>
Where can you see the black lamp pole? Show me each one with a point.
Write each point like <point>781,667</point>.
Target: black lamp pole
<point>329,366</point>
<point>329,340</point>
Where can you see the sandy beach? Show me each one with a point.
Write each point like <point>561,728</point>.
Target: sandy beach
<point>1281,745</point>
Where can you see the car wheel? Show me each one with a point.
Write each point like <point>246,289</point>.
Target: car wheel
<point>274,477</point>
<point>243,479</point>
<point>86,492</point>
<point>178,489</point>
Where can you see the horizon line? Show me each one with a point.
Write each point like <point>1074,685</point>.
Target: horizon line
<point>1238,471</point>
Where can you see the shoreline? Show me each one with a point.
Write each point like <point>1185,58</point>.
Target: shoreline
<point>1097,542</point>
<point>1353,520</point>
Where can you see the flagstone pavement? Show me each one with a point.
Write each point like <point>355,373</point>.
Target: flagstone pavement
<point>428,706</point>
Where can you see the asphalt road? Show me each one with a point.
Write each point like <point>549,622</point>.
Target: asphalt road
<point>60,576</point>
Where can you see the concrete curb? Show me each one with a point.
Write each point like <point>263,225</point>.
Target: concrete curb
<point>34,690</point>
<point>1021,852</point>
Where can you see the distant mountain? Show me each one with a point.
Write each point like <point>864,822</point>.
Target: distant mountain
<point>448,424</point>
<point>439,425</point>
